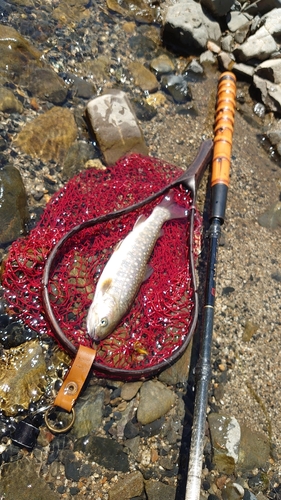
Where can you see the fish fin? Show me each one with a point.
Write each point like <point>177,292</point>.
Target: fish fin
<point>175,210</point>
<point>148,273</point>
<point>118,245</point>
<point>139,220</point>
<point>105,285</point>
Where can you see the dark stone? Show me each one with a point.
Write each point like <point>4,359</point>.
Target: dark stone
<point>131,430</point>
<point>153,428</point>
<point>103,451</point>
<point>177,87</point>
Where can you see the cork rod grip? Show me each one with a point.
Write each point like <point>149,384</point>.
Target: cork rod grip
<point>224,123</point>
<point>223,132</point>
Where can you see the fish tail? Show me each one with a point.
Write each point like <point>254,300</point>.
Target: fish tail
<point>175,210</point>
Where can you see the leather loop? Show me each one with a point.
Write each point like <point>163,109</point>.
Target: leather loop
<point>75,378</point>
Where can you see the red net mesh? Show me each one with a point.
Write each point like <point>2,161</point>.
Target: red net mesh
<point>159,321</point>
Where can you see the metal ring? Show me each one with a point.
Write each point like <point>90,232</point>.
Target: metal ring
<point>52,427</point>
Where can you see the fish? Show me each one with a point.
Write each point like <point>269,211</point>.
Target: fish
<point>127,269</point>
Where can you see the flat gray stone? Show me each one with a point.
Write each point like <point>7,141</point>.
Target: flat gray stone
<point>188,28</point>
<point>272,22</point>
<point>259,46</point>
<point>237,20</point>
<point>225,437</point>
<point>115,126</point>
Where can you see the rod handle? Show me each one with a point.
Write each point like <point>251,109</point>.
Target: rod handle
<point>223,133</point>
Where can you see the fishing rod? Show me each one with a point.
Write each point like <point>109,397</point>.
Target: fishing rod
<point>224,122</point>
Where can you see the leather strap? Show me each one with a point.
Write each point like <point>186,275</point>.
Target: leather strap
<point>75,378</point>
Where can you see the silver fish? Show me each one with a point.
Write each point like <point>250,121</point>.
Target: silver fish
<point>127,268</point>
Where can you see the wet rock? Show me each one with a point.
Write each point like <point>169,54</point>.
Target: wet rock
<point>177,87</point>
<point>270,70</point>
<point>233,491</point>
<point>259,46</point>
<point>22,376</point>
<point>15,334</point>
<point>128,487</point>
<point>237,20</point>
<point>178,372</point>
<point>270,93</point>
<point>103,451</point>
<point>21,63</point>
<point>155,401</point>
<point>80,87</point>
<point>129,390</point>
<point>8,102</point>
<point>143,77</point>
<point>28,483</point>
<point>218,7</point>
<point>45,84</point>
<point>13,205</point>
<point>78,155</point>
<point>162,64</point>
<point>49,136</point>
<point>115,126</point>
<point>188,28</point>
<point>254,449</point>
<point>156,490</point>
<point>88,411</point>
<point>225,436</point>
<point>73,11</point>
<point>134,9</point>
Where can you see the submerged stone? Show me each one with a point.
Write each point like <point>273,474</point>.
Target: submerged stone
<point>49,136</point>
<point>128,487</point>
<point>22,377</point>
<point>13,204</point>
<point>8,102</point>
<point>271,218</point>
<point>104,451</point>
<point>22,63</point>
<point>23,482</point>
<point>140,10</point>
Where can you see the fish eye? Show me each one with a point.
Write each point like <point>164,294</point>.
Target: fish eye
<point>104,322</point>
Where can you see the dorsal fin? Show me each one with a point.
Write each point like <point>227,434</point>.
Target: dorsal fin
<point>140,220</point>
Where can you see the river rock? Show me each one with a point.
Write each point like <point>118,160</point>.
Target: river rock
<point>155,490</point>
<point>104,451</point>
<point>237,20</point>
<point>188,28</point>
<point>233,491</point>
<point>271,218</point>
<point>162,64</point>
<point>259,46</point>
<point>274,135</point>
<point>225,437</point>
<point>143,78</point>
<point>114,124</point>
<point>28,484</point>
<point>13,205</point>
<point>218,7</point>
<point>155,401</point>
<point>8,102</point>
<point>140,10</point>
<point>178,372</point>
<point>88,411</point>
<point>130,389</point>
<point>263,6</point>
<point>21,63</point>
<point>270,93</point>
<point>270,70</point>
<point>272,23</point>
<point>22,376</point>
<point>128,487</point>
<point>71,11</point>
<point>254,449</point>
<point>49,135</point>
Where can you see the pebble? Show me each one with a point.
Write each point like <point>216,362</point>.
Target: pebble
<point>104,451</point>
<point>8,102</point>
<point>155,401</point>
<point>130,389</point>
<point>143,78</point>
<point>177,87</point>
<point>225,434</point>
